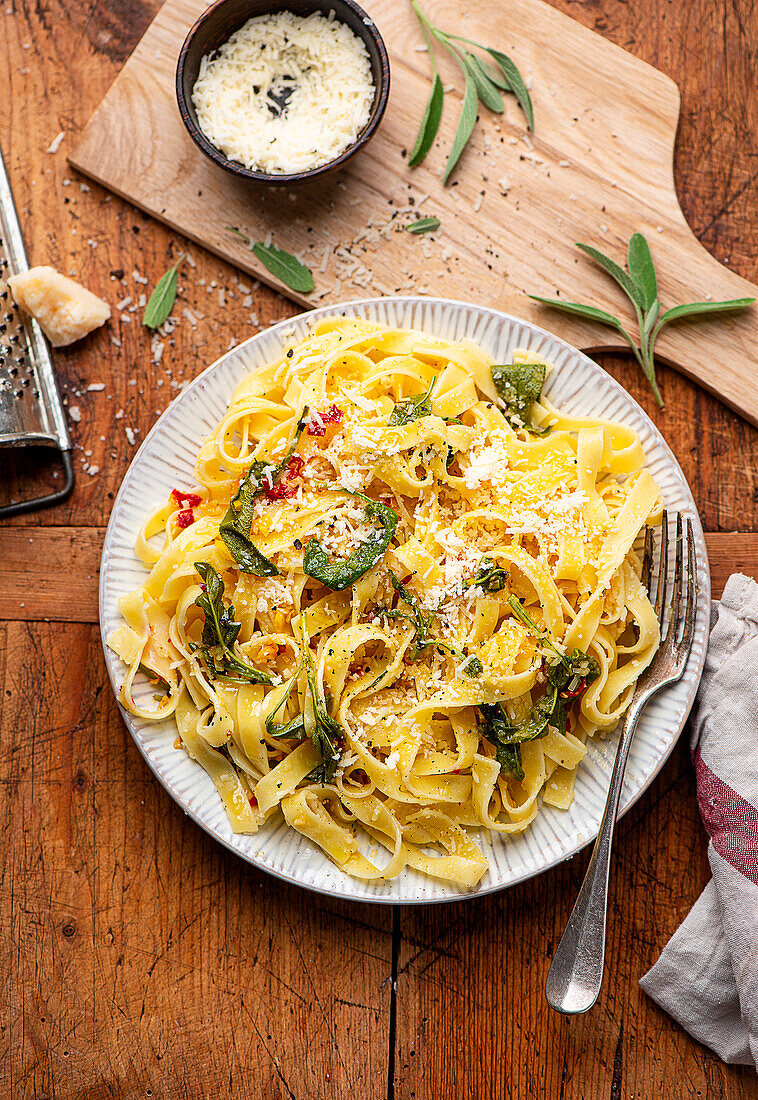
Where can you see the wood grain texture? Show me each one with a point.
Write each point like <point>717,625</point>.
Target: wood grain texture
<point>598,167</point>
<point>137,957</point>
<point>133,951</point>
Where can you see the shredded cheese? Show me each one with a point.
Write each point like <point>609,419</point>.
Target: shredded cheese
<point>285,94</point>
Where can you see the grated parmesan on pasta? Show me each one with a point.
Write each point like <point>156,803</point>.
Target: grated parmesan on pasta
<point>285,94</point>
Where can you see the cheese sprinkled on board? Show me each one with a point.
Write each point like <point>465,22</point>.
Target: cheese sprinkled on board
<point>285,94</point>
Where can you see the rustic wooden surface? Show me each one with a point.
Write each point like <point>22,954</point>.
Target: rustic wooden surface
<point>598,167</point>
<point>137,957</point>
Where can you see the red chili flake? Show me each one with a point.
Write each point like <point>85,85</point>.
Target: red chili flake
<point>185,518</point>
<point>295,467</point>
<point>191,500</point>
<point>577,690</point>
<point>281,491</point>
<point>405,580</point>
<point>253,800</point>
<point>332,415</point>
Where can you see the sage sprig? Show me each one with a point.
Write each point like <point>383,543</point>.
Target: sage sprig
<point>286,267</point>
<point>483,84</point>
<point>163,297</point>
<point>640,284</point>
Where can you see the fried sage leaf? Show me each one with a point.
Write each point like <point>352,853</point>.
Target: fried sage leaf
<point>220,632</point>
<point>412,408</point>
<point>489,576</point>
<point>235,526</point>
<point>341,574</point>
<point>328,735</point>
<point>519,385</point>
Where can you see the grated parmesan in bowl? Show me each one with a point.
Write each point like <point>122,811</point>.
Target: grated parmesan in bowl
<point>284,95</point>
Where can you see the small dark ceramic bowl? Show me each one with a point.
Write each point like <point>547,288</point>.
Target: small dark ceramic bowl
<point>216,26</point>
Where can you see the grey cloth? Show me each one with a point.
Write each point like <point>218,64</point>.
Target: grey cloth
<point>707,975</point>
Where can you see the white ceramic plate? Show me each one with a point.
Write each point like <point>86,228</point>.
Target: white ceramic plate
<point>166,459</point>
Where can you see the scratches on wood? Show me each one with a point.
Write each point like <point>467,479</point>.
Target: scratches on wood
<point>618,1067</point>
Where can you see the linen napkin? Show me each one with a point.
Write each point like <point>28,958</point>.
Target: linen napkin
<point>707,975</point>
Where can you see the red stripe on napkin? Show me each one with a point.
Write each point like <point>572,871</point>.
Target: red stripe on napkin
<point>731,821</point>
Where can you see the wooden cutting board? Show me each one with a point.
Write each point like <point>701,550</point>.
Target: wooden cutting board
<point>598,167</point>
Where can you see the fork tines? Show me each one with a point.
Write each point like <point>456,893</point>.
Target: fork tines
<point>677,619</point>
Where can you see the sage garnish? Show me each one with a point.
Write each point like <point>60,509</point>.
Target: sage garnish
<point>430,123</point>
<point>235,526</point>
<point>489,577</point>
<point>341,574</point>
<point>424,225</point>
<point>482,85</point>
<point>519,386</point>
<point>286,267</point>
<point>412,408</point>
<point>565,671</point>
<point>327,733</point>
<point>508,738</point>
<point>295,728</point>
<point>421,624</point>
<point>220,633</point>
<point>162,299</point>
<point>640,285</point>
<point>567,677</point>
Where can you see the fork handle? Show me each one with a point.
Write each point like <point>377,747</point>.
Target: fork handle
<point>576,972</point>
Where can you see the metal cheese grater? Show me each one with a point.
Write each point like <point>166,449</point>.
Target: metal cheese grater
<point>31,412</point>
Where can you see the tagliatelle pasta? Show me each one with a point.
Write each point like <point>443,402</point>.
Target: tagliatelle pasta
<point>403,595</point>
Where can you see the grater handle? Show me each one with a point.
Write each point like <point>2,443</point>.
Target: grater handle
<point>18,507</point>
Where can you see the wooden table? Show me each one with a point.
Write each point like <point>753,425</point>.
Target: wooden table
<point>137,957</point>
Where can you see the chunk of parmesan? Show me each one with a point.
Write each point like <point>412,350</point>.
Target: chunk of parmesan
<point>65,310</point>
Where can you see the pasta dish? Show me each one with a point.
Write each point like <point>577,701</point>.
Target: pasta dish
<point>403,594</point>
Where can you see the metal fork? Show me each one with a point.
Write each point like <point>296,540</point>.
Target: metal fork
<point>576,972</point>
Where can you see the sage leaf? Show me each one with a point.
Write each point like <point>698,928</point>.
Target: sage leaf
<point>519,385</point>
<point>489,576</point>
<point>642,269</point>
<point>424,225</point>
<point>346,571</point>
<point>641,286</point>
<point>693,309</point>
<point>466,123</point>
<point>516,83</point>
<point>163,297</point>
<point>579,309</point>
<point>220,631</point>
<point>412,408</point>
<point>486,89</point>
<point>430,123</point>
<point>327,734</point>
<point>632,290</point>
<point>285,267</point>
